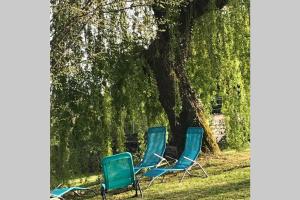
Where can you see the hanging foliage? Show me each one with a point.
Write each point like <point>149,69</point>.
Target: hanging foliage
<point>220,66</point>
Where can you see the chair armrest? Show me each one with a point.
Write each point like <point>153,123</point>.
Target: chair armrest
<point>58,185</point>
<point>162,159</point>
<point>172,158</point>
<point>159,156</point>
<point>189,159</point>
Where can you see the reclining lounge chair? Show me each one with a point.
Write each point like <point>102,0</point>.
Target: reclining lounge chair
<point>156,145</point>
<point>188,158</point>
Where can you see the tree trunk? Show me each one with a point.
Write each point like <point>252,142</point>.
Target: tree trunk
<point>168,64</point>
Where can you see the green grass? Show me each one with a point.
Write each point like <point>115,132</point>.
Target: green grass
<point>229,178</point>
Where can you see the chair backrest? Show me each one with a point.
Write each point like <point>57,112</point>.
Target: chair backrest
<point>156,143</point>
<point>118,171</point>
<point>193,143</point>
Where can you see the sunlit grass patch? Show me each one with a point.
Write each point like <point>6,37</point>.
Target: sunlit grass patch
<point>229,178</point>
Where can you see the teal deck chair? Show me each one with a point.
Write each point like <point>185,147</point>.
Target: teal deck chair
<point>118,173</point>
<point>188,158</point>
<point>60,192</point>
<point>156,145</point>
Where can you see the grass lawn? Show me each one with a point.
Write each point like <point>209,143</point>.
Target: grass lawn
<point>229,178</point>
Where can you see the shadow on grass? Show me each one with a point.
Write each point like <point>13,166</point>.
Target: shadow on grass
<point>229,190</point>
<point>130,194</point>
<point>228,169</point>
<point>236,190</point>
<point>226,186</point>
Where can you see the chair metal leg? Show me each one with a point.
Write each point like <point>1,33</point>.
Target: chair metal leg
<point>135,186</point>
<point>103,194</point>
<point>139,188</point>
<point>196,163</point>
<point>95,193</point>
<point>151,181</point>
<point>203,169</point>
<point>162,180</point>
<point>186,171</point>
<point>189,172</point>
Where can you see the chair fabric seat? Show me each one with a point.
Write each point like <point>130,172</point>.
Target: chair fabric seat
<point>156,144</point>
<point>118,172</point>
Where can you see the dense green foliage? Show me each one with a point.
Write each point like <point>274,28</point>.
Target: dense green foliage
<point>102,93</point>
<point>99,92</point>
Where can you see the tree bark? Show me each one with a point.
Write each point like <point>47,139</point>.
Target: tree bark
<point>160,57</point>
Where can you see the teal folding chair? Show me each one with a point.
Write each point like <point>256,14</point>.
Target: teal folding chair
<point>118,173</point>
<point>188,158</point>
<point>156,146</point>
<point>60,192</point>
